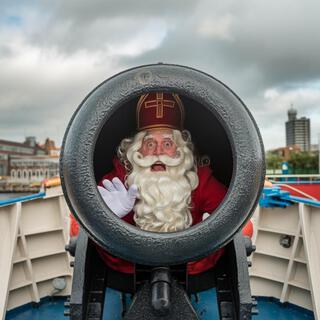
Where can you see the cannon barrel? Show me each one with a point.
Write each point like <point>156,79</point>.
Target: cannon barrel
<point>221,127</point>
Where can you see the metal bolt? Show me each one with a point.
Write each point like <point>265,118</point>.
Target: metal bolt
<point>254,311</point>
<point>66,313</point>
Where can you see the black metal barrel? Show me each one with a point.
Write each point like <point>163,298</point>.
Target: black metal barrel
<point>221,127</point>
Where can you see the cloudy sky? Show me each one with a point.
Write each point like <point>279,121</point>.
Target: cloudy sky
<point>52,53</point>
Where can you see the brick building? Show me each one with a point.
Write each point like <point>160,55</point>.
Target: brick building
<point>28,161</point>
<point>24,169</point>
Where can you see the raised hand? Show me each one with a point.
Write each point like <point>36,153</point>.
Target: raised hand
<point>117,197</point>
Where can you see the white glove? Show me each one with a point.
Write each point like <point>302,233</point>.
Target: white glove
<point>117,197</point>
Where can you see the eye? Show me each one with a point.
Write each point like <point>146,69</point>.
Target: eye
<point>167,144</point>
<point>150,144</point>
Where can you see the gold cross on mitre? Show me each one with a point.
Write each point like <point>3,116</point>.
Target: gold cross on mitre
<point>159,103</point>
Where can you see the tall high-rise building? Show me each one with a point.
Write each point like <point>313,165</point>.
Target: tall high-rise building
<point>298,130</point>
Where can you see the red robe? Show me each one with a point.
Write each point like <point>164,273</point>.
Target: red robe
<point>205,198</point>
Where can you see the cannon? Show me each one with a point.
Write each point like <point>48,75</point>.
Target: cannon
<point>222,128</point>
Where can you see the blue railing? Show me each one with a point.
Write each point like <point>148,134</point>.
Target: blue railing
<point>24,198</point>
<point>275,197</point>
<point>271,197</point>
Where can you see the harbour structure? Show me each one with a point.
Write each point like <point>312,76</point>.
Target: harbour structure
<point>18,150</point>
<point>12,148</point>
<point>33,168</point>
<point>24,165</point>
<point>297,130</point>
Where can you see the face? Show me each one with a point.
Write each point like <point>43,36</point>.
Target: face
<point>158,142</point>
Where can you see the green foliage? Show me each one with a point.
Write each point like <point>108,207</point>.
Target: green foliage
<point>304,162</point>
<point>273,161</point>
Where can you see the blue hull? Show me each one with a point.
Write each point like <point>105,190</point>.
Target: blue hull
<point>204,304</point>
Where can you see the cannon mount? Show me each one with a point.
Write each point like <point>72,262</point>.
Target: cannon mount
<point>229,276</point>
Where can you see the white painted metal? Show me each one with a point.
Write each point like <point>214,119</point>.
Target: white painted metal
<point>289,274</point>
<point>296,176</point>
<point>310,221</point>
<point>35,234</point>
<point>9,221</point>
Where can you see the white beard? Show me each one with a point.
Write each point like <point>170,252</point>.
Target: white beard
<point>164,197</point>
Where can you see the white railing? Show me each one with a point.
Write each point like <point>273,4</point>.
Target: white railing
<point>312,177</point>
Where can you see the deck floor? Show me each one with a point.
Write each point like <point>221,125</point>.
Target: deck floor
<point>53,309</point>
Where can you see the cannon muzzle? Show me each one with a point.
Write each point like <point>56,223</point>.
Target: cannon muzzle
<point>221,127</point>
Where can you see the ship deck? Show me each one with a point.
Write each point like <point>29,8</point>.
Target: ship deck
<point>268,309</point>
<point>293,277</point>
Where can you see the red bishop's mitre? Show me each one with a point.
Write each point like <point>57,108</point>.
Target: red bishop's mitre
<point>160,110</point>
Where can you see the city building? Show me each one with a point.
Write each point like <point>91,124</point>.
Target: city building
<point>297,131</point>
<point>285,152</point>
<point>33,169</point>
<point>28,161</point>
<point>9,149</point>
<point>50,148</point>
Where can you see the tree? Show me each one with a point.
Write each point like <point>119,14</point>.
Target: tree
<point>304,162</point>
<point>273,161</point>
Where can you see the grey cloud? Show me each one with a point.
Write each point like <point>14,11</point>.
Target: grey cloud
<point>82,11</point>
<point>251,46</point>
<point>76,25</point>
<point>273,43</point>
<point>271,38</point>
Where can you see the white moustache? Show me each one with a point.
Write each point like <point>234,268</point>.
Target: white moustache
<point>148,161</point>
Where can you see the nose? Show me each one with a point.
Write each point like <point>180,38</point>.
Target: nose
<point>158,150</point>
